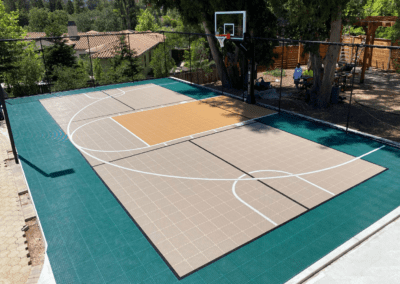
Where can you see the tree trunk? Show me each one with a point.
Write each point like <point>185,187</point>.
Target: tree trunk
<point>128,20</point>
<point>221,68</point>
<point>321,92</point>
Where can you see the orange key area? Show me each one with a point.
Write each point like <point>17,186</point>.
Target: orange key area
<point>168,123</point>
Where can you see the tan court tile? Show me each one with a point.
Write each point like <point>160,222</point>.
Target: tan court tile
<point>239,107</point>
<point>174,257</point>
<point>183,268</point>
<point>200,206</point>
<point>173,122</point>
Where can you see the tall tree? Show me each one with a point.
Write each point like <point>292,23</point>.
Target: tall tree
<point>9,50</point>
<point>146,22</point>
<point>128,11</point>
<point>79,6</point>
<point>52,5</point>
<point>318,20</point>
<point>202,12</point>
<point>92,4</point>
<point>59,5</point>
<point>38,19</point>
<point>39,4</point>
<point>70,7</point>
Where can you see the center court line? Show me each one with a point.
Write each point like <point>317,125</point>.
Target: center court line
<point>219,179</point>
<point>133,149</point>
<point>129,131</point>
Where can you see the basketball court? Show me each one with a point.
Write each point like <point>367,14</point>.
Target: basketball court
<point>201,177</point>
<point>165,181</point>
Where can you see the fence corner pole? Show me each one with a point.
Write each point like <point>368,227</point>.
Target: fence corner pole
<point>190,61</point>
<point>165,56</point>
<point>45,66</point>
<point>280,89</point>
<point>90,58</point>
<point>10,134</point>
<point>351,93</point>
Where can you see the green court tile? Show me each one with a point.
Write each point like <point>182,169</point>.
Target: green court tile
<point>111,272</point>
<point>45,149</point>
<point>254,268</point>
<point>140,244</point>
<point>237,277</point>
<point>67,277</point>
<point>156,266</point>
<point>88,272</point>
<point>88,229</point>
<point>129,263</point>
<point>119,216</point>
<point>105,258</point>
<point>83,221</point>
<point>137,274</point>
<point>166,277</point>
<point>98,250</point>
<point>147,255</point>
<point>266,277</point>
<point>268,259</point>
<point>93,239</point>
<point>114,239</point>
<point>121,279</point>
<point>193,278</point>
<point>239,257</point>
<point>78,252</point>
<point>282,273</point>
<point>123,252</point>
<point>224,265</point>
<point>209,274</point>
<point>63,262</point>
<point>132,234</point>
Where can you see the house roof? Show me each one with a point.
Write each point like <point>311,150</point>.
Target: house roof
<point>105,44</point>
<point>137,42</point>
<point>35,35</point>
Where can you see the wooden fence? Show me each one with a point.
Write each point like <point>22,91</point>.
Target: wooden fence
<point>199,76</point>
<point>381,58</point>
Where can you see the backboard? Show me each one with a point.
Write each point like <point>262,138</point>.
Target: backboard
<point>231,22</point>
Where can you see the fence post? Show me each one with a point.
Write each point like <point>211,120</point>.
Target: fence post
<point>10,134</point>
<point>165,57</point>
<point>280,89</point>
<point>351,94</point>
<point>130,50</point>
<point>390,55</point>
<point>90,58</point>
<point>45,67</point>
<point>190,62</point>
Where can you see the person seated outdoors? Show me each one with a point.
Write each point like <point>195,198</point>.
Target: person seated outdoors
<point>308,72</point>
<point>297,74</point>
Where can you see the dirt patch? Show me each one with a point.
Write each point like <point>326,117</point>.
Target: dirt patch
<point>375,109</point>
<point>35,242</point>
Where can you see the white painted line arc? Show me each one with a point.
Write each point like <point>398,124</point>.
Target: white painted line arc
<point>248,205</point>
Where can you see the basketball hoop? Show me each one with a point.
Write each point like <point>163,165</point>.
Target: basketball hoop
<point>221,38</point>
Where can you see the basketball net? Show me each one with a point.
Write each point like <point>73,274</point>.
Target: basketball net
<point>221,38</point>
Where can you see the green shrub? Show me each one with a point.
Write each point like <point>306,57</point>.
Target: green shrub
<point>276,72</point>
<point>69,78</point>
<point>28,71</point>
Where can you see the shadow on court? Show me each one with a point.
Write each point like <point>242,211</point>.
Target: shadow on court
<point>51,175</point>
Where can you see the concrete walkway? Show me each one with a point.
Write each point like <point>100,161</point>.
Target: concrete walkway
<point>14,266</point>
<point>377,260</point>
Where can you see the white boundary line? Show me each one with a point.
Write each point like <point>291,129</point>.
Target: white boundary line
<point>129,131</point>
